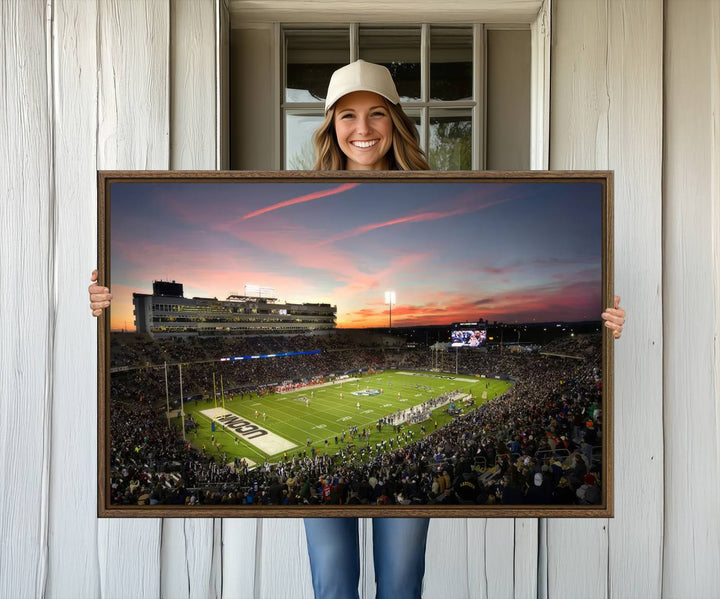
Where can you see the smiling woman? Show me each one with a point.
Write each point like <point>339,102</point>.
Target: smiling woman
<point>365,128</point>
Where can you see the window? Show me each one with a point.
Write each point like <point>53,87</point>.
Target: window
<point>467,87</point>
<point>433,68</point>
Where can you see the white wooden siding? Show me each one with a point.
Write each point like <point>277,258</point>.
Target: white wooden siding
<point>117,84</point>
<point>635,116</point>
<point>691,302</point>
<point>73,540</point>
<point>27,312</point>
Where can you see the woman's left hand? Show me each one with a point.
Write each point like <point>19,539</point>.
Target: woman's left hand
<point>615,318</point>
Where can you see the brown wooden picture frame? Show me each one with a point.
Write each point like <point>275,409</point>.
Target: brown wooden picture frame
<point>403,203</point>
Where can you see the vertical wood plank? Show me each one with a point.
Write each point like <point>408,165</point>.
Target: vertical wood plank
<point>577,550</point>
<point>27,313</point>
<point>189,565</point>
<point>240,557</point>
<point>193,85</point>
<point>133,130</point>
<point>579,98</point>
<point>187,555</point>
<point>72,544</point>
<point>577,559</point>
<point>282,568</point>
<point>690,287</point>
<point>476,559</point>
<point>448,558</point>
<point>499,557</point>
<point>129,556</point>
<point>525,564</point>
<point>472,556</point>
<point>635,87</point>
<point>133,103</point>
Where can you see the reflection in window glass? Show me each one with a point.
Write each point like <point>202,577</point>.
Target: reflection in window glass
<point>299,149</point>
<point>451,66</point>
<point>415,118</point>
<point>450,146</point>
<point>311,58</point>
<point>399,51</point>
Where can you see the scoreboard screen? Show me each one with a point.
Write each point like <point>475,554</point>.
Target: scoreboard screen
<point>468,337</point>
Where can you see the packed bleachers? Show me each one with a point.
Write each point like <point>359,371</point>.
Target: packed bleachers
<point>537,444</point>
<point>341,353</point>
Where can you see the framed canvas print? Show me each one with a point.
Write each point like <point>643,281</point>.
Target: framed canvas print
<point>365,344</point>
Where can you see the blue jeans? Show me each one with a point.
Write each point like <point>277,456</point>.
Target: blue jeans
<point>398,552</point>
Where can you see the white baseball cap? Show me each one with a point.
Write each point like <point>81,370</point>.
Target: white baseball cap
<point>361,76</point>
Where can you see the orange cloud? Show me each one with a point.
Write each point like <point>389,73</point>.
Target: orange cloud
<point>572,301</point>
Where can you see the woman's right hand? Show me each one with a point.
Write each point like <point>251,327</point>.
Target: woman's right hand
<point>99,296</point>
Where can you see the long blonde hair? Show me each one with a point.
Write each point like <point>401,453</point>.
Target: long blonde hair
<point>405,154</point>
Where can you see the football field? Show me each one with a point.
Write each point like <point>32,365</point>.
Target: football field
<point>270,426</point>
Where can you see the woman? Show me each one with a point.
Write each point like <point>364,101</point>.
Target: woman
<point>365,129</point>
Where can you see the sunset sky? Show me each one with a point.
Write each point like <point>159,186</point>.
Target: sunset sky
<point>451,251</point>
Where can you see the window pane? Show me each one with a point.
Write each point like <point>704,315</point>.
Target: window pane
<point>451,56</point>
<point>450,145</point>
<point>311,57</point>
<point>414,115</point>
<point>399,51</point>
<point>299,149</point>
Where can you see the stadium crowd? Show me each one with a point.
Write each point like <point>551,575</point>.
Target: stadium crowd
<point>536,444</point>
<point>144,360</point>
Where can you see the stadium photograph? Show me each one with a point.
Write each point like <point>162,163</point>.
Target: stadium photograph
<point>350,347</point>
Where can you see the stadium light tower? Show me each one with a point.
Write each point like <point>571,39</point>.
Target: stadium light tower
<point>390,301</point>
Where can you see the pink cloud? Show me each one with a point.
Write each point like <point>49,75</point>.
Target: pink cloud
<point>306,198</point>
<point>415,218</point>
<point>299,247</point>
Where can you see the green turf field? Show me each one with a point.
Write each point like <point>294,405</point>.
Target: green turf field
<point>333,408</point>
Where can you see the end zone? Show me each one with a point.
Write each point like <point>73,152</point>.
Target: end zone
<point>263,439</point>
